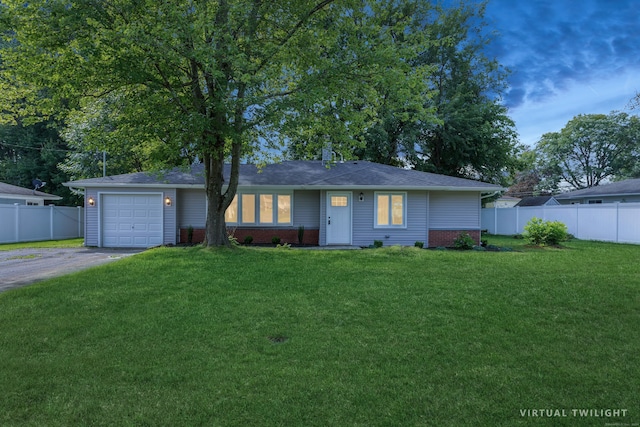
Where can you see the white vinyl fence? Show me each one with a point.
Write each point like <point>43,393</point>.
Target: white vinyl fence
<point>21,223</point>
<point>611,222</point>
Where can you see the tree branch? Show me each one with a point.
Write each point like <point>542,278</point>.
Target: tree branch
<point>318,7</point>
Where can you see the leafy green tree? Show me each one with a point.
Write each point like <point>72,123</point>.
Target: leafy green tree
<point>29,152</point>
<point>526,179</point>
<point>222,79</point>
<point>589,150</point>
<point>634,103</point>
<point>400,87</point>
<point>97,133</point>
<point>473,136</point>
<point>461,129</point>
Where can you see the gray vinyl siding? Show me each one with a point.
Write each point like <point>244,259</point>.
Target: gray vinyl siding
<point>192,208</point>
<point>306,209</point>
<point>322,235</point>
<point>363,230</point>
<point>454,210</point>
<point>91,231</point>
<point>170,228</point>
<point>633,198</point>
<point>19,201</point>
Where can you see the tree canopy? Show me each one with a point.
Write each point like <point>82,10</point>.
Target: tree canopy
<point>461,129</point>
<point>29,152</point>
<point>219,80</point>
<point>589,150</point>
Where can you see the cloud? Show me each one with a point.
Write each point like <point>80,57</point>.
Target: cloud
<point>550,45</point>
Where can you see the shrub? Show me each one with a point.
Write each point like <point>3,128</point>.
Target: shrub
<point>275,240</point>
<point>419,244</point>
<point>464,241</point>
<point>539,232</point>
<point>248,240</point>
<point>557,232</point>
<point>190,234</point>
<point>377,243</point>
<point>301,234</point>
<point>231,234</point>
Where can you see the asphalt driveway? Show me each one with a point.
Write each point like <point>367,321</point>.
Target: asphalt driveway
<point>22,267</point>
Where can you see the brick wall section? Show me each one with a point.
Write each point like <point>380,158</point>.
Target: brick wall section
<point>311,237</point>
<point>446,237</point>
<point>198,235</point>
<point>260,235</point>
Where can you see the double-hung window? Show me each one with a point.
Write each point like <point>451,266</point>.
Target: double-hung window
<point>390,210</point>
<point>260,208</point>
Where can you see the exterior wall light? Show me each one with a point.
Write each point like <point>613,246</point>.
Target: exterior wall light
<point>91,201</point>
<point>361,198</point>
<point>167,201</point>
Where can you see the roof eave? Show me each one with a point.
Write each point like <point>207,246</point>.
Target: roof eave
<point>293,187</point>
<point>29,196</point>
<point>578,196</point>
<point>79,184</point>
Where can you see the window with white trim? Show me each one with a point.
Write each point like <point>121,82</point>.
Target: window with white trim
<point>390,210</point>
<point>260,208</point>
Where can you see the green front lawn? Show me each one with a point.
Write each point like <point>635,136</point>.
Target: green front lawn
<point>67,243</point>
<point>384,337</point>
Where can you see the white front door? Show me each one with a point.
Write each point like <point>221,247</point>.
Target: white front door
<point>338,219</point>
<point>131,220</point>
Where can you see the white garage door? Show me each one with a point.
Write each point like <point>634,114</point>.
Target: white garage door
<point>131,220</point>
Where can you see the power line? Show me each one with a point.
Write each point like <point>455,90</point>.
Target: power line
<point>35,148</point>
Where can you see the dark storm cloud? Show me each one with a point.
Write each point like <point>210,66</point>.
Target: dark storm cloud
<point>550,44</point>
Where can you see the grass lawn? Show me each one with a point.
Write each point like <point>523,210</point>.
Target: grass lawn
<point>385,337</point>
<point>68,243</point>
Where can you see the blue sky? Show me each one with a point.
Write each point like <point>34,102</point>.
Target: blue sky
<point>567,57</point>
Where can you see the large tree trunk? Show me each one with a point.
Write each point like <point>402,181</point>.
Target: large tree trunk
<point>217,200</point>
<point>216,228</point>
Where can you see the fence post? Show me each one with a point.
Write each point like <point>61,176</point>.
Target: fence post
<point>578,220</point>
<point>79,221</point>
<point>617,222</point>
<point>17,222</point>
<point>50,222</point>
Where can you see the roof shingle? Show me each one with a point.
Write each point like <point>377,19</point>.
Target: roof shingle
<point>21,191</point>
<point>300,174</point>
<point>626,187</point>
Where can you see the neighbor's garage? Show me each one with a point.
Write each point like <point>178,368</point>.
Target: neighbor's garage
<point>131,220</point>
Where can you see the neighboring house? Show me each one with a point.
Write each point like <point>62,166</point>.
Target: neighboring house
<point>12,194</point>
<point>350,203</point>
<point>626,191</point>
<point>537,201</point>
<point>504,202</point>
